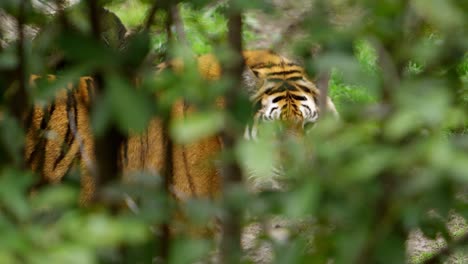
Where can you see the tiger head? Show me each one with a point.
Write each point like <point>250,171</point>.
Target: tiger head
<point>280,90</point>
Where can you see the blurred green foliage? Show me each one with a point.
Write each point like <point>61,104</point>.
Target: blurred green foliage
<point>397,161</point>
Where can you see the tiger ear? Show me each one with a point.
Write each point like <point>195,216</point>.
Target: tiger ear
<point>251,80</point>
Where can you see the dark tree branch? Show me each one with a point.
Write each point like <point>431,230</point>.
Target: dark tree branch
<point>164,236</point>
<point>19,101</point>
<point>231,172</point>
<point>94,18</point>
<point>108,144</point>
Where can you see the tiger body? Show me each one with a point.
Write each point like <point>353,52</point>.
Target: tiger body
<point>59,133</point>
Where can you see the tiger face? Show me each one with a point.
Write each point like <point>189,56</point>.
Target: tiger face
<point>281,91</point>
<point>288,100</point>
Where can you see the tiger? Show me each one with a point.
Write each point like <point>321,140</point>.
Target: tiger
<point>59,133</point>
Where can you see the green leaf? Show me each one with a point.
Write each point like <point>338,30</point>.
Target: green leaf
<point>196,126</point>
<point>442,14</point>
<point>13,186</point>
<point>193,251</point>
<point>53,197</point>
<point>249,153</point>
<point>131,108</point>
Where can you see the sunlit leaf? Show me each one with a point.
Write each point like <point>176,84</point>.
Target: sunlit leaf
<point>131,108</point>
<point>13,185</point>
<point>197,126</point>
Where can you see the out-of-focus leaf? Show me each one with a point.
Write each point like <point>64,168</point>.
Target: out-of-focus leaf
<point>304,200</point>
<point>11,137</point>
<point>130,107</point>
<point>92,53</point>
<point>8,59</point>
<point>44,90</point>
<point>197,126</point>
<point>13,186</point>
<point>135,50</point>
<point>258,158</point>
<point>101,115</point>
<point>443,14</point>
<point>55,197</point>
<point>194,250</point>
<point>391,249</point>
<point>367,165</point>
<point>101,230</point>
<point>200,211</point>
<point>6,257</point>
<point>66,253</point>
<point>347,65</point>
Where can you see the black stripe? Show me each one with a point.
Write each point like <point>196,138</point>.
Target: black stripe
<point>272,109</point>
<point>147,145</point>
<point>295,78</point>
<point>292,64</point>
<point>255,72</point>
<point>283,72</point>
<point>308,108</point>
<point>299,97</point>
<point>142,150</point>
<point>304,88</point>
<point>280,89</point>
<point>263,65</point>
<point>269,91</point>
<point>276,99</point>
<point>290,87</point>
<point>275,80</point>
<point>125,152</point>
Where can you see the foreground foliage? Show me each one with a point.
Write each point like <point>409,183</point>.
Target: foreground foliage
<point>397,160</point>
